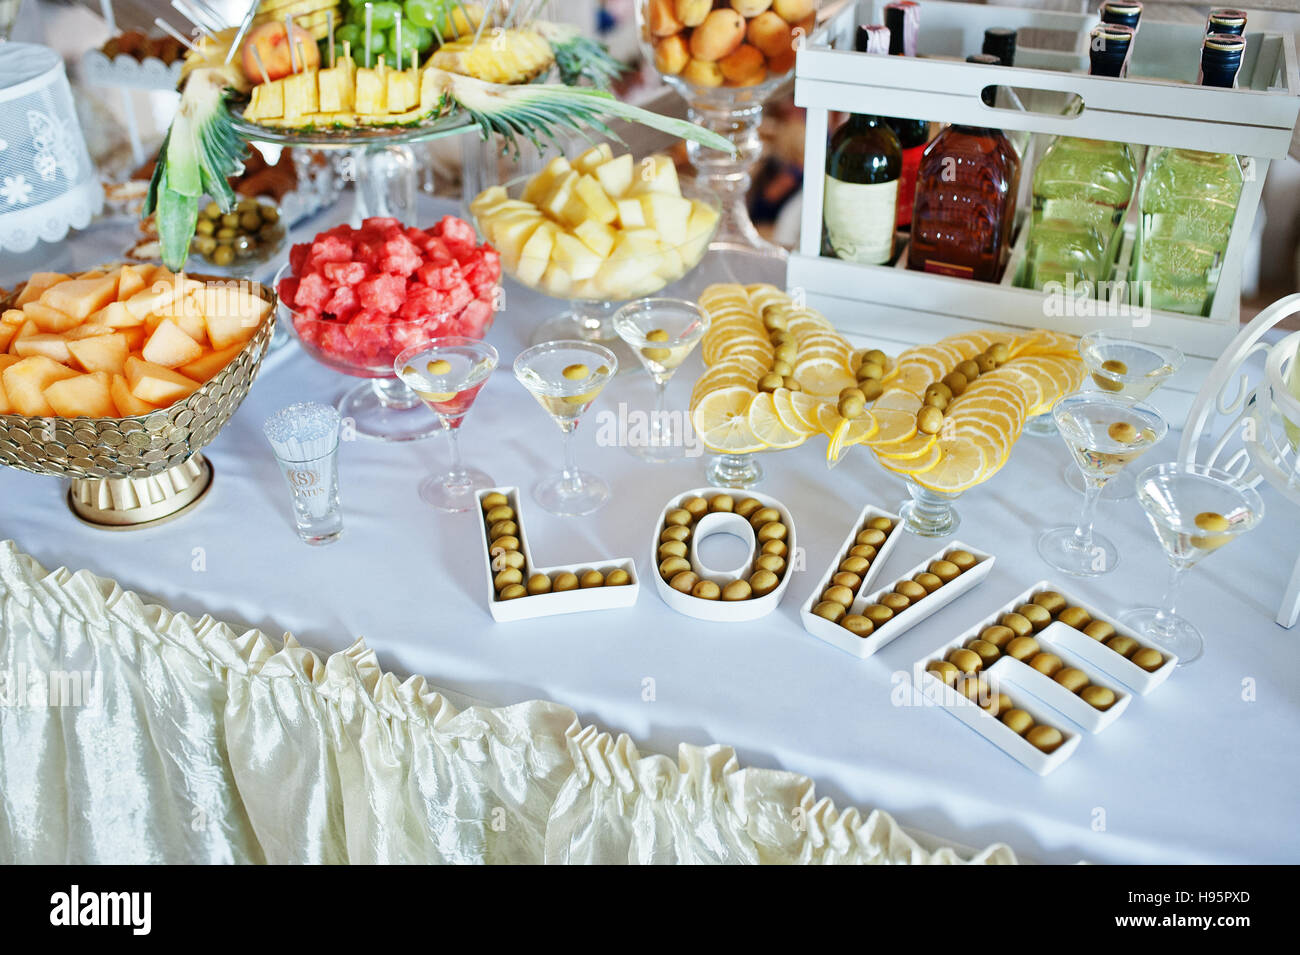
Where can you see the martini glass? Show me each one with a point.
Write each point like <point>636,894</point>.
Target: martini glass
<point>566,377</point>
<point>1194,510</point>
<point>1119,364</point>
<point>929,513</point>
<point>1104,433</point>
<point>448,373</point>
<point>662,332</point>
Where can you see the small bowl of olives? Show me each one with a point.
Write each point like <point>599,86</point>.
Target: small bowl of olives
<point>249,235</point>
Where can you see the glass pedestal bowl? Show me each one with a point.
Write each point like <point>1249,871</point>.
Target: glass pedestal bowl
<point>726,96</point>
<point>381,406</point>
<point>595,286</point>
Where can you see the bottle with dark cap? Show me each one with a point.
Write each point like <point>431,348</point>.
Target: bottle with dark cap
<point>965,201</point>
<point>902,20</point>
<point>1124,13</point>
<point>1188,200</point>
<point>1082,189</point>
<point>863,163</point>
<point>1224,20</point>
<point>1001,43</point>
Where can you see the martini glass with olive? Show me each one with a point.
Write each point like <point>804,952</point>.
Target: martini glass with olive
<point>1104,433</point>
<point>1194,510</point>
<point>565,377</point>
<point>1119,364</point>
<point>662,332</point>
<point>448,373</point>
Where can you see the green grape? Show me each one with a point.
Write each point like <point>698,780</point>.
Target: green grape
<point>350,33</point>
<point>410,44</point>
<point>383,14</point>
<point>423,37</point>
<point>422,13</point>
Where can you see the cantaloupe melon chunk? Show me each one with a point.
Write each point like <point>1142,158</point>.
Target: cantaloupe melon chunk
<point>36,286</point>
<point>126,403</point>
<point>134,337</point>
<point>13,316</point>
<point>25,383</point>
<point>51,346</point>
<point>231,315</point>
<point>101,353</point>
<point>164,288</point>
<point>5,362</point>
<point>87,330</point>
<point>130,280</point>
<point>81,297</point>
<point>27,328</point>
<point>116,315</point>
<point>7,333</point>
<point>210,364</point>
<point>83,396</point>
<point>185,312</point>
<point>156,384</point>
<point>50,319</point>
<point>170,347</point>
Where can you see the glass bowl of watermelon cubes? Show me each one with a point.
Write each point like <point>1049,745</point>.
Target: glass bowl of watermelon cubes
<point>599,231</point>
<point>355,298</point>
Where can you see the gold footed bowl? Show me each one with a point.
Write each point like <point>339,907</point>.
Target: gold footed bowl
<point>137,472</point>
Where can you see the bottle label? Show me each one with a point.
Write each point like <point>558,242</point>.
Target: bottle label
<point>860,220</point>
<point>907,184</point>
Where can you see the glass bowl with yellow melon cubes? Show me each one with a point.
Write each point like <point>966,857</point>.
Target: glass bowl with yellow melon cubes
<point>599,231</point>
<point>117,377</point>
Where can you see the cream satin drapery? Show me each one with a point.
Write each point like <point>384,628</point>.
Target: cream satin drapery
<point>196,743</point>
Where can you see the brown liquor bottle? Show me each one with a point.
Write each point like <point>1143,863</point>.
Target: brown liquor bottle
<point>965,201</point>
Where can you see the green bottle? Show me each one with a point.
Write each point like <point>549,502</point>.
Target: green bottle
<point>1188,201</point>
<point>1082,189</point>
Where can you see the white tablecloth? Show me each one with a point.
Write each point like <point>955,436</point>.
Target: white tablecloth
<point>1199,771</point>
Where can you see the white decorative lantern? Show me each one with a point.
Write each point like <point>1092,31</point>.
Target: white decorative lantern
<point>48,184</point>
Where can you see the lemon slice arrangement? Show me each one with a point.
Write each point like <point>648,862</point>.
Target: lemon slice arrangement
<point>778,373</point>
<point>949,413</point>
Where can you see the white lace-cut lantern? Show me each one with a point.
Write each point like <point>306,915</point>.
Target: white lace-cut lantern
<point>47,181</point>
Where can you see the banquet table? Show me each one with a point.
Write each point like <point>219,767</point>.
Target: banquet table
<point>1203,770</point>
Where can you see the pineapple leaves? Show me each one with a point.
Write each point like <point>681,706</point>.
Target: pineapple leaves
<point>533,111</point>
<point>177,216</point>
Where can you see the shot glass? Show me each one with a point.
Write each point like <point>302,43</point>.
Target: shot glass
<point>305,439</point>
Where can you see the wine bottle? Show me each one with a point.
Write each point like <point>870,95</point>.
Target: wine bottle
<point>1000,42</point>
<point>863,165</point>
<point>913,134</point>
<point>965,201</point>
<point>1123,13</point>
<point>1188,201</point>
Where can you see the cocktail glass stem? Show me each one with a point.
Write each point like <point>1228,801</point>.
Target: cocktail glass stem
<point>729,176</point>
<point>1165,622</point>
<point>594,320</point>
<point>572,477</point>
<point>457,476</point>
<point>385,183</point>
<point>393,393</point>
<point>661,431</point>
<point>1087,516</point>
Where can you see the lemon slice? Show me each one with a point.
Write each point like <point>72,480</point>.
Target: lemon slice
<point>963,465</point>
<point>822,375</point>
<point>721,419</point>
<point>848,432</point>
<point>783,402</point>
<point>927,462</point>
<point>896,399</point>
<point>767,426</point>
<point>915,446</point>
<point>808,408</point>
<point>895,427</point>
